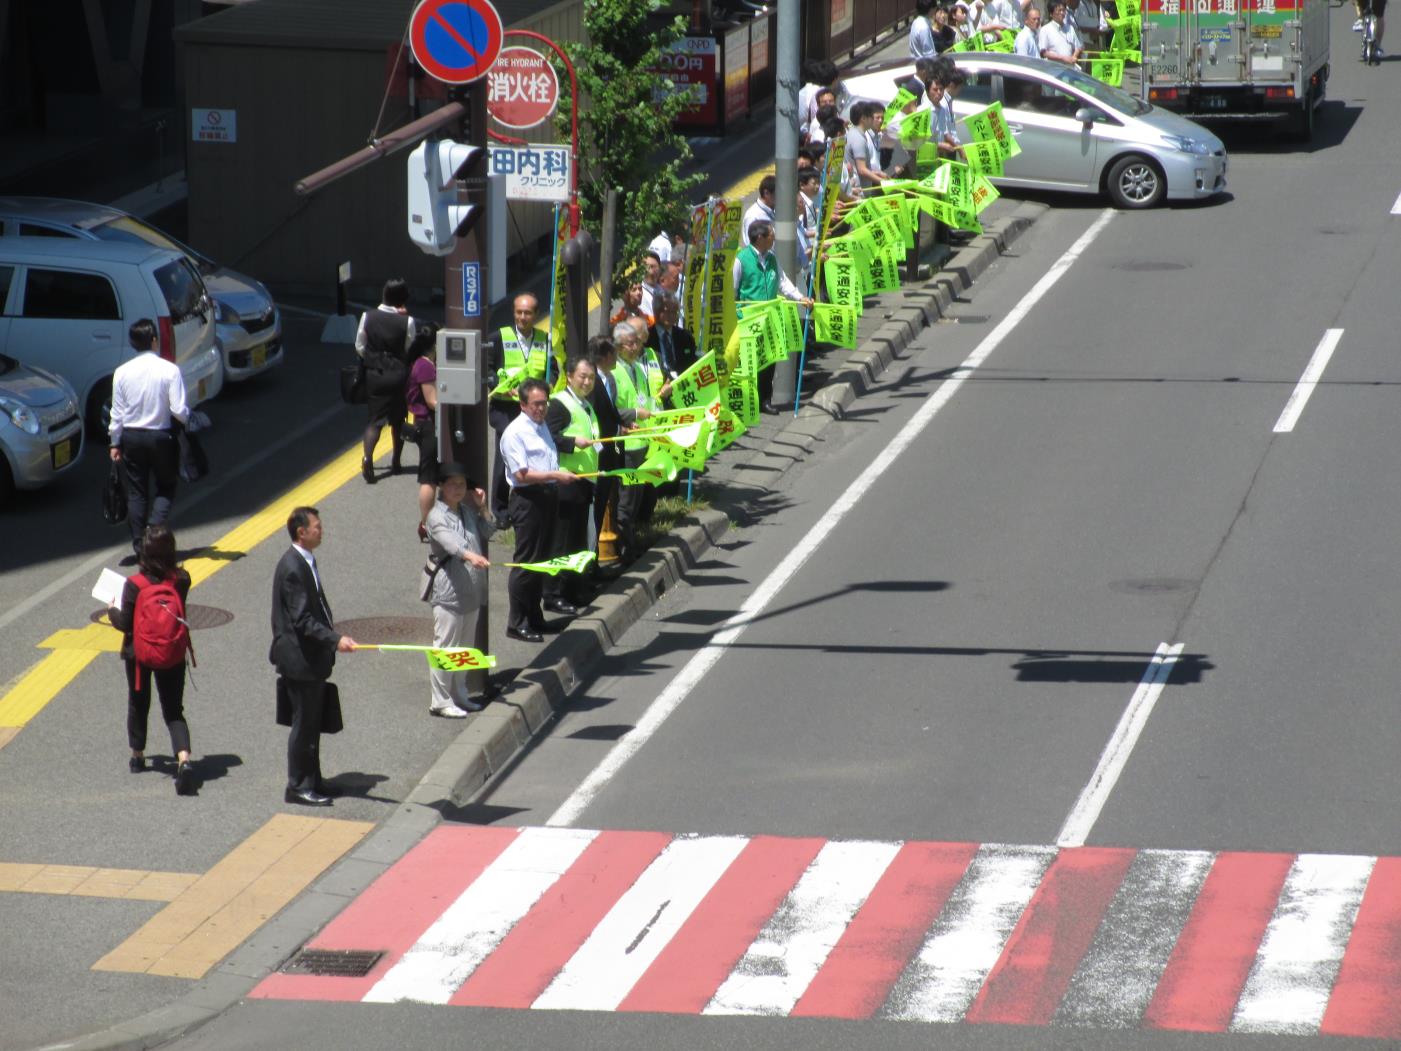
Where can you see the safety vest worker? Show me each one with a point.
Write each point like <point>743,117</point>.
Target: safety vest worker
<point>583,423</point>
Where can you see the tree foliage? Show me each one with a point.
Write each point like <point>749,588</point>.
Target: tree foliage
<point>625,135</point>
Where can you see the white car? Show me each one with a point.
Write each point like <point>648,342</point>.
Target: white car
<point>249,324</point>
<point>67,306</point>
<point>41,430</point>
<point>1076,133</point>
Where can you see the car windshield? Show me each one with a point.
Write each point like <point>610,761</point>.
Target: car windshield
<point>1111,96</point>
<point>129,230</point>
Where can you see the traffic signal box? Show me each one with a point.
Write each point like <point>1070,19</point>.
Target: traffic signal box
<point>436,219</point>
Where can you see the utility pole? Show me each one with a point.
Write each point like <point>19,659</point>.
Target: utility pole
<point>785,132</point>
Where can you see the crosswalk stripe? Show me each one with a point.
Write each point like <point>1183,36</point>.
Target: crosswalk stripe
<point>968,938</point>
<point>705,950</point>
<point>638,927</point>
<point>1366,998</point>
<point>774,972</point>
<point>1214,954</point>
<point>539,946</point>
<point>1287,991</point>
<point>1053,934</point>
<point>1115,981</point>
<point>884,935</point>
<point>1092,937</point>
<point>473,926</point>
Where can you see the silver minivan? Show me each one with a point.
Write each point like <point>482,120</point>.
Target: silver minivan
<point>1076,133</point>
<point>66,306</point>
<point>249,325</point>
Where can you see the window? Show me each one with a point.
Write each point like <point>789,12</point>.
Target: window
<point>68,294</point>
<point>977,90</point>
<point>1026,94</point>
<point>6,274</point>
<point>184,291</point>
<point>35,230</point>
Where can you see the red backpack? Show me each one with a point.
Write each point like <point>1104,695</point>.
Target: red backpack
<point>160,635</point>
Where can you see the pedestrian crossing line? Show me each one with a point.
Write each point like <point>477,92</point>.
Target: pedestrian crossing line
<point>1080,936</point>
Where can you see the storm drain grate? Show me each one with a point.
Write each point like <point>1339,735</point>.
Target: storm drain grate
<point>199,617</point>
<point>333,963</point>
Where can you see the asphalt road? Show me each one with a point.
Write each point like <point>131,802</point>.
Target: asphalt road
<point>954,657</point>
<point>952,661</point>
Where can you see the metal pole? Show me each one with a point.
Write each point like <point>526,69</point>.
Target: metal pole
<point>785,153</point>
<point>605,266</point>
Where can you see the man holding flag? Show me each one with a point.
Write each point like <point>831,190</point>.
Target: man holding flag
<point>518,353</point>
<point>758,278</point>
<point>635,404</point>
<point>573,425</point>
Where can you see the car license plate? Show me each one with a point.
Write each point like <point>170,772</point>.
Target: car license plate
<point>200,388</point>
<point>1214,102</point>
<point>260,357</point>
<point>62,452</point>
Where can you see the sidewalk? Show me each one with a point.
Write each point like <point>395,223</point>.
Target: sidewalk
<point>401,771</point>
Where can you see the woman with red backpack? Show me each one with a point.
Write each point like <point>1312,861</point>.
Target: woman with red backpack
<point>155,639</point>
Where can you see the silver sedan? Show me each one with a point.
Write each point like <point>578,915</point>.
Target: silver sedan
<point>1077,133</point>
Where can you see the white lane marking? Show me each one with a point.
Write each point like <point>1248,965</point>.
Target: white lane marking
<point>645,919</point>
<point>1116,753</point>
<point>1299,957</point>
<point>1114,983</point>
<point>970,934</point>
<point>470,929</point>
<point>84,570</point>
<point>1396,207</point>
<point>696,668</point>
<point>775,971</point>
<point>1308,381</point>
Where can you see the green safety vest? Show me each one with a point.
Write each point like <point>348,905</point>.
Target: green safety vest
<point>583,423</point>
<point>656,378</point>
<point>532,356</point>
<point>758,278</point>
<point>630,397</point>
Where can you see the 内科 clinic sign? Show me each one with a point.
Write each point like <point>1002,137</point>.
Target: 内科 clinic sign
<point>532,173</point>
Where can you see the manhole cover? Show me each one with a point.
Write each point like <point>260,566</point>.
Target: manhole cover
<point>200,617</point>
<point>334,963</point>
<point>1147,266</point>
<point>1150,585</point>
<point>417,630</point>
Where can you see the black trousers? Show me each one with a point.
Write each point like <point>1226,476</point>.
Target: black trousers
<point>170,688</point>
<point>571,534</point>
<point>304,742</point>
<point>152,461</point>
<point>500,414</point>
<point>532,514</point>
<point>635,505</point>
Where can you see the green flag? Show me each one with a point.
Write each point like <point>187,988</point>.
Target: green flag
<point>985,158</point>
<point>575,563</point>
<point>728,428</point>
<point>465,659</point>
<point>982,193</point>
<point>989,125</point>
<point>1108,70</point>
<point>916,127</point>
<point>834,324</point>
<point>741,397</point>
<point>842,282</point>
<point>698,385</point>
<point>902,99</point>
<point>657,469</point>
<point>514,377</point>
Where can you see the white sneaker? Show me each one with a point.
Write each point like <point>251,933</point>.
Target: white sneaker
<point>1357,26</point>
<point>448,713</point>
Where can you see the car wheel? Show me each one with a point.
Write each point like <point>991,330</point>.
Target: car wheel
<point>1303,123</point>
<point>1136,182</point>
<point>99,411</point>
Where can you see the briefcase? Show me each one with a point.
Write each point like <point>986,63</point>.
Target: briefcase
<point>331,720</point>
<point>353,384</point>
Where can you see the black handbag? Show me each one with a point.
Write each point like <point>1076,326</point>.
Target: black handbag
<point>332,722</point>
<point>353,384</point>
<point>114,495</point>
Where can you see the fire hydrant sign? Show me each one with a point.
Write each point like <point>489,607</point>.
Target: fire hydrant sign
<point>522,88</point>
<point>533,173</point>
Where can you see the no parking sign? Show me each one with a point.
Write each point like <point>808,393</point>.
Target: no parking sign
<point>455,41</point>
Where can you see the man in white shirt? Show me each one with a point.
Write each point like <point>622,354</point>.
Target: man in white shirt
<point>858,145</point>
<point>922,31</point>
<point>996,15</point>
<point>148,393</point>
<point>762,208</point>
<point>651,277</point>
<point>661,244</point>
<point>1058,39</point>
<point>1026,43</point>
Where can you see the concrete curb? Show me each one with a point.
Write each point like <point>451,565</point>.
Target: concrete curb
<point>497,736</point>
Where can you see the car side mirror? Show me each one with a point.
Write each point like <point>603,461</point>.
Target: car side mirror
<point>1085,115</point>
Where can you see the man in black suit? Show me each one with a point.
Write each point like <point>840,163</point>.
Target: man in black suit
<point>304,647</point>
<point>674,346</point>
<point>604,400</point>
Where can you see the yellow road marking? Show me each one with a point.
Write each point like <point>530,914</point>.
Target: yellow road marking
<point>7,734</point>
<point>76,648</point>
<point>222,908</point>
<point>88,882</point>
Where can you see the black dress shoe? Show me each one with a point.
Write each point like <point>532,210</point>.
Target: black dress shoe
<point>767,409</point>
<point>558,605</point>
<point>524,635</point>
<point>305,797</point>
<point>185,779</point>
<point>367,470</point>
<point>136,764</point>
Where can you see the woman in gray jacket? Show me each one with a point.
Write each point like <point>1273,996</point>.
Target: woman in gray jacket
<point>454,582</point>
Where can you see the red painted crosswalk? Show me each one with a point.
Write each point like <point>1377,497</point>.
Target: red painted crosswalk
<point>552,918</point>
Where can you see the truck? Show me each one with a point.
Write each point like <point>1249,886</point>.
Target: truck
<point>1253,60</point>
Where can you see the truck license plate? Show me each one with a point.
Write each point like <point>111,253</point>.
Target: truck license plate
<point>1214,102</point>
<point>62,452</point>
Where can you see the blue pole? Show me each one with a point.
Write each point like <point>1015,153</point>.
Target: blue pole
<point>554,276</point>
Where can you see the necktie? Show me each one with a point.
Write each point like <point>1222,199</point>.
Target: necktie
<point>666,350</point>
